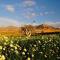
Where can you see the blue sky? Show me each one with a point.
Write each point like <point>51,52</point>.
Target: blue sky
<point>20,12</point>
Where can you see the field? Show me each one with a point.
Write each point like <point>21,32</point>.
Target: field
<point>41,47</point>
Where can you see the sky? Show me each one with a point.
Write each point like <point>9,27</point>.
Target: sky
<point>21,12</point>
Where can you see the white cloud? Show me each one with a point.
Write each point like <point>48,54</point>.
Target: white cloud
<point>28,3</point>
<point>46,13</point>
<point>9,8</point>
<point>41,14</point>
<point>8,22</point>
<point>30,15</point>
<point>54,24</point>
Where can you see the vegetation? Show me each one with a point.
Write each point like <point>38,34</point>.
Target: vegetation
<point>42,47</point>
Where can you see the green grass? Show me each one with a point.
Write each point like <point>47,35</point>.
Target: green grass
<point>42,47</point>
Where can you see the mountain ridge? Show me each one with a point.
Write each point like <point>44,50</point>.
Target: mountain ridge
<point>13,30</point>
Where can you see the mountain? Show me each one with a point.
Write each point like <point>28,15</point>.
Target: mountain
<point>43,28</point>
<point>46,28</point>
<point>17,31</point>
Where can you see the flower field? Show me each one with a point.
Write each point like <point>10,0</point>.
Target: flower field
<point>43,47</point>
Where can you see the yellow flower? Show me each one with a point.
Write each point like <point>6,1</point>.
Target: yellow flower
<point>11,41</point>
<point>2,57</point>
<point>15,47</point>
<point>33,49</point>
<point>42,37</point>
<point>5,43</point>
<point>12,49</point>
<point>28,58</point>
<point>25,49</point>
<point>0,47</point>
<point>16,52</point>
<point>6,38</point>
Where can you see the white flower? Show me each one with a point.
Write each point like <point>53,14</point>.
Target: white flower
<point>11,45</point>
<point>39,42</point>
<point>54,44</point>
<point>51,50</point>
<point>23,53</point>
<point>20,48</point>
<point>43,48</point>
<point>32,55</point>
<point>45,56</point>
<point>28,53</point>
<point>34,45</point>
<point>41,52</point>
<point>50,40</point>
<point>4,48</point>
<point>58,48</point>
<point>45,41</point>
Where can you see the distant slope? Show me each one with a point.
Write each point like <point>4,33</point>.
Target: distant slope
<point>10,30</point>
<point>17,31</point>
<point>46,28</point>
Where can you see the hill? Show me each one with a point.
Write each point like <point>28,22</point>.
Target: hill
<point>43,28</point>
<point>17,31</point>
